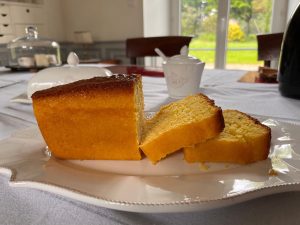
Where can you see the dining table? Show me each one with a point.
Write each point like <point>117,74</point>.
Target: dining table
<point>265,203</point>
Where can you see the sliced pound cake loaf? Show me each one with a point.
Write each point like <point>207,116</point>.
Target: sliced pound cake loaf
<point>243,140</point>
<point>97,118</point>
<point>179,124</point>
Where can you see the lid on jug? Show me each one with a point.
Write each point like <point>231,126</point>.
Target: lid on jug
<point>183,58</point>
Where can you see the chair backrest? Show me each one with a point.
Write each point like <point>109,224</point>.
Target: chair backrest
<point>141,47</point>
<point>268,46</point>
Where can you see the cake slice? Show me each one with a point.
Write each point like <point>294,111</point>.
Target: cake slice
<point>180,124</point>
<point>98,118</point>
<point>243,140</point>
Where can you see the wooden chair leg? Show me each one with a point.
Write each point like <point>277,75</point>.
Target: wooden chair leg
<point>133,61</point>
<point>267,63</point>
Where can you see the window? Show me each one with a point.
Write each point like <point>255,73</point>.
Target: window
<point>225,31</point>
<point>199,19</point>
<point>246,19</point>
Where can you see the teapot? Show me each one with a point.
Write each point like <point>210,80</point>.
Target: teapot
<point>183,73</point>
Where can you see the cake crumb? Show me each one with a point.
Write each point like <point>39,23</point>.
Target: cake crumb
<point>272,172</point>
<point>204,166</point>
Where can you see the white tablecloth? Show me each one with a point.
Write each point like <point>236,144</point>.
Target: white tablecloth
<point>28,206</point>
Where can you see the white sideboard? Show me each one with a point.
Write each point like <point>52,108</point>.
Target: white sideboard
<point>15,17</point>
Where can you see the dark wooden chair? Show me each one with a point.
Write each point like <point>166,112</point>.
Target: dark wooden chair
<point>141,47</point>
<point>268,46</point>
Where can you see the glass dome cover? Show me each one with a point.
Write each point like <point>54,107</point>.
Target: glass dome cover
<point>31,51</point>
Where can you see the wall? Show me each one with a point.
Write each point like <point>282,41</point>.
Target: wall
<point>158,25</point>
<point>107,20</point>
<point>54,18</point>
<point>161,17</point>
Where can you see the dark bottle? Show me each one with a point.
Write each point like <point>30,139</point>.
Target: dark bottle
<point>289,65</point>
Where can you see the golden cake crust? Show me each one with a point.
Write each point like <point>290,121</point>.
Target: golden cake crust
<point>117,82</point>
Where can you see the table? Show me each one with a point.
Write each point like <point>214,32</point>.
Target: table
<point>28,206</point>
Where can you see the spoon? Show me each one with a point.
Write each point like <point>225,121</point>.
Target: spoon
<point>161,54</point>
